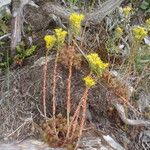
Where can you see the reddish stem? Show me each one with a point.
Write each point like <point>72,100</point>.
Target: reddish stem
<point>44,84</point>
<point>69,91</point>
<point>54,92</point>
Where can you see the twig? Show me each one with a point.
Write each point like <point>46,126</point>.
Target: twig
<point>79,49</point>
<point>26,121</point>
<point>40,111</point>
<point>5,36</point>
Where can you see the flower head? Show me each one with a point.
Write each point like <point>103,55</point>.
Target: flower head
<point>148,23</point>
<point>60,36</point>
<point>50,41</point>
<point>139,33</point>
<point>75,22</point>
<point>89,81</point>
<point>119,31</point>
<point>127,10</point>
<point>97,65</point>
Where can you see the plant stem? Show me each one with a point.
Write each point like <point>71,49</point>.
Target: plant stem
<point>84,107</point>
<point>69,91</point>
<point>75,116</point>
<point>133,54</point>
<point>44,84</point>
<point>54,91</point>
<point>73,123</point>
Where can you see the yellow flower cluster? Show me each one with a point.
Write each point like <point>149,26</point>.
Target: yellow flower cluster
<point>50,41</point>
<point>75,22</point>
<point>89,81</point>
<point>60,36</point>
<point>139,33</point>
<point>127,10</point>
<point>119,31</point>
<point>148,23</point>
<point>96,64</point>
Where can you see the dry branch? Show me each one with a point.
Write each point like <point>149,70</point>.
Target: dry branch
<point>5,36</point>
<point>17,22</point>
<point>122,114</point>
<point>106,8</point>
<point>95,17</point>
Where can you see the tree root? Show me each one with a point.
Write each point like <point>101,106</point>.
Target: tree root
<point>122,114</point>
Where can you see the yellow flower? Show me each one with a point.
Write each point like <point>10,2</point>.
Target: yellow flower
<point>127,10</point>
<point>50,41</point>
<point>148,23</point>
<point>96,64</point>
<point>89,81</point>
<point>75,22</point>
<point>119,31</point>
<point>60,36</point>
<point>139,33</point>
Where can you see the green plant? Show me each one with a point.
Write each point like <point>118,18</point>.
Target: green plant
<point>22,53</point>
<point>5,59</point>
<point>96,64</point>
<point>3,23</point>
<point>71,127</point>
<point>49,41</point>
<point>145,5</point>
<point>3,64</point>
<point>3,28</point>
<point>143,58</point>
<point>136,35</point>
<point>73,1</point>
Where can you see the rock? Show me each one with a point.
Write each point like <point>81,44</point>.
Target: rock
<point>37,19</point>
<point>113,143</point>
<point>4,3</point>
<point>143,101</point>
<point>144,139</point>
<point>93,143</point>
<point>28,145</point>
<point>87,143</point>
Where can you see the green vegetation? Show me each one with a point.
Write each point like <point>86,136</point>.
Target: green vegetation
<point>145,5</point>
<point>22,53</point>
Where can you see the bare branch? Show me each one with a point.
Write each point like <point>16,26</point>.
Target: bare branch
<point>96,17</point>
<point>122,115</point>
<point>5,36</point>
<point>17,22</point>
<point>50,8</point>
<point>105,9</point>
